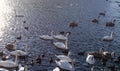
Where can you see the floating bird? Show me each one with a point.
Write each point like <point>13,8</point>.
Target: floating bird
<point>47,37</point>
<point>11,46</point>
<point>111,24</point>
<point>20,53</point>
<point>9,64</point>
<point>38,59</point>
<point>65,65</point>
<point>64,57</point>
<point>73,24</point>
<point>19,37</point>
<point>26,28</point>
<point>90,59</point>
<point>108,38</point>
<point>61,37</point>
<point>96,20</point>
<point>61,45</point>
<point>102,13</point>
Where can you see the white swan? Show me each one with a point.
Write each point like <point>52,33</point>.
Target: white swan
<point>90,59</point>
<point>64,57</point>
<point>60,37</point>
<point>65,65</point>
<point>56,69</point>
<point>9,64</point>
<point>20,52</point>
<point>108,38</point>
<point>47,37</point>
<point>61,45</point>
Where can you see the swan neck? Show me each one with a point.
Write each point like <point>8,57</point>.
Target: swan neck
<point>16,59</point>
<point>66,43</point>
<point>52,33</point>
<point>26,49</point>
<point>111,35</point>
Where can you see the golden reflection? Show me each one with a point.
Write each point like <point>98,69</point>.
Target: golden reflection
<point>5,11</point>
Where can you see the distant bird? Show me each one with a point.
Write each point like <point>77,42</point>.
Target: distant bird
<point>108,38</point>
<point>64,57</point>
<point>96,20</point>
<point>24,21</point>
<point>26,28</point>
<point>73,24</point>
<point>19,37</point>
<point>38,59</point>
<point>8,64</point>
<point>111,24</point>
<point>11,46</point>
<point>102,13</point>
<point>47,37</point>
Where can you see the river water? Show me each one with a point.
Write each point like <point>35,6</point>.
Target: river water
<point>44,16</point>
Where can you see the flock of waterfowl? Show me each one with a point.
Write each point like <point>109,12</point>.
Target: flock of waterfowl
<point>63,61</point>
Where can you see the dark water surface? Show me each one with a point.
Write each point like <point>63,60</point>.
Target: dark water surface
<point>44,16</point>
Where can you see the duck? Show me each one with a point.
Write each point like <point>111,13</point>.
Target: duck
<point>65,65</point>
<point>19,37</point>
<point>38,59</point>
<point>64,57</point>
<point>8,64</point>
<point>61,45</point>
<point>11,46</point>
<point>73,24</point>
<point>108,38</point>
<point>26,28</point>
<point>96,20</point>
<point>102,13</point>
<point>90,59</point>
<point>47,37</point>
<point>111,24</point>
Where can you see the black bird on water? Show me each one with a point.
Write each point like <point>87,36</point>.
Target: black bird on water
<point>38,59</point>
